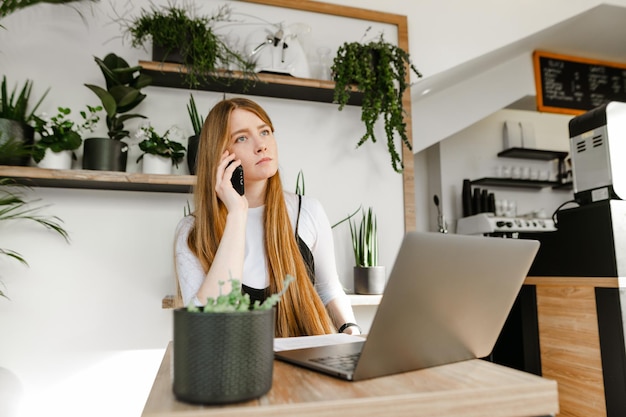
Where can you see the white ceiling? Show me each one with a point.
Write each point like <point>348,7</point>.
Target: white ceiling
<point>446,103</point>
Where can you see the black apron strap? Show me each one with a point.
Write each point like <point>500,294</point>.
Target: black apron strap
<point>307,256</point>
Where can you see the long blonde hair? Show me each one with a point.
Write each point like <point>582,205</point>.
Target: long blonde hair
<point>300,311</point>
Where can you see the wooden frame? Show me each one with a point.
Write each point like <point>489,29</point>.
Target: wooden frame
<point>584,63</point>
<point>408,178</point>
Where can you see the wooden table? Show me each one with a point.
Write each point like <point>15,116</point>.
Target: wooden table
<point>473,388</point>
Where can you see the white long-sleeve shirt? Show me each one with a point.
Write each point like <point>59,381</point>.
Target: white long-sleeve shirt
<point>313,228</point>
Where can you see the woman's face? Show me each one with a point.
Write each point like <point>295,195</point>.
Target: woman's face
<point>252,141</point>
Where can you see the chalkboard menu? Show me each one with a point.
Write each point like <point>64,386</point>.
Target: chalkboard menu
<point>573,85</point>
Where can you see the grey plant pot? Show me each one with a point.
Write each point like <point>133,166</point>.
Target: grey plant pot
<point>222,358</point>
<point>21,133</point>
<point>369,280</point>
<point>104,154</point>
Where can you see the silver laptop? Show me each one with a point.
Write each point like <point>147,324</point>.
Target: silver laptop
<point>446,300</point>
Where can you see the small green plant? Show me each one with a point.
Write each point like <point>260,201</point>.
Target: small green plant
<point>13,206</point>
<point>59,133</point>
<point>15,106</point>
<point>122,93</point>
<point>160,145</point>
<point>378,69</point>
<point>365,239</point>
<point>196,119</point>
<point>181,30</point>
<point>236,301</point>
<point>300,183</point>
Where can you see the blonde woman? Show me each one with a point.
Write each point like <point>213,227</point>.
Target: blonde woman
<point>261,236</point>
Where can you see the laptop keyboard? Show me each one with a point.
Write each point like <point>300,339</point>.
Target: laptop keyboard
<point>345,362</point>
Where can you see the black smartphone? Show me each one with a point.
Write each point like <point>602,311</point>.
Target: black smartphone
<point>237,179</point>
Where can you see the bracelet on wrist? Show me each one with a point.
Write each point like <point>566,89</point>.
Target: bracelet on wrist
<point>346,325</point>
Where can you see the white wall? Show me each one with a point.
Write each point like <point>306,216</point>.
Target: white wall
<point>83,332</point>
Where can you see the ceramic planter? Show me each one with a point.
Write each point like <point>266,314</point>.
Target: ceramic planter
<point>156,164</point>
<point>369,280</point>
<point>56,160</point>
<point>222,358</point>
<point>104,154</point>
<point>19,132</point>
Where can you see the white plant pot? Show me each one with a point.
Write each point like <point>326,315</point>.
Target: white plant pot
<point>156,164</point>
<point>56,160</point>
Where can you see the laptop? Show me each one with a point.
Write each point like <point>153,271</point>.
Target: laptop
<point>446,300</point>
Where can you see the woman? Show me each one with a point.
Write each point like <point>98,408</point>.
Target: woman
<point>262,236</point>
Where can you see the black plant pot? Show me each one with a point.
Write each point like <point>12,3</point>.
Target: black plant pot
<point>192,152</point>
<point>222,358</point>
<point>165,54</point>
<point>23,136</point>
<point>104,154</point>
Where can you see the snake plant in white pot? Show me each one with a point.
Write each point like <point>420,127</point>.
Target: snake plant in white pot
<point>369,277</point>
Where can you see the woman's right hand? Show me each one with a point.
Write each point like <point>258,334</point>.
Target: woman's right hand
<point>223,185</point>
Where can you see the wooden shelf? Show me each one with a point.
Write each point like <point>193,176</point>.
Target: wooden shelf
<point>98,180</point>
<point>167,74</point>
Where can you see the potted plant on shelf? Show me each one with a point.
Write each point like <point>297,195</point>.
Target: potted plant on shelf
<point>122,94</point>
<point>235,361</point>
<point>181,35</point>
<point>160,153</point>
<point>16,133</point>
<point>379,70</point>
<point>13,206</point>
<point>192,143</point>
<point>369,277</point>
<point>61,136</point>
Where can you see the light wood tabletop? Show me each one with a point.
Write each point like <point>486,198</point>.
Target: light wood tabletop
<point>474,388</point>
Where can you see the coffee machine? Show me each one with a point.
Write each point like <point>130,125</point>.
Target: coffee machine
<point>597,142</point>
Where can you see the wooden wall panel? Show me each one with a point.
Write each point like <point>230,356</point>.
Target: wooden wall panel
<point>570,348</point>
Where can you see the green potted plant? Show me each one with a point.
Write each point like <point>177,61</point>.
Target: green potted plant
<point>122,94</point>
<point>369,277</point>
<point>60,137</point>
<point>160,152</point>
<point>16,115</point>
<point>192,143</point>
<point>224,351</point>
<point>179,34</point>
<point>13,206</point>
<point>379,70</point>
<point>8,7</point>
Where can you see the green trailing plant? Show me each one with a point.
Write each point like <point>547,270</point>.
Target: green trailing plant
<point>365,239</point>
<point>379,70</point>
<point>237,301</point>
<point>182,31</point>
<point>160,145</point>
<point>194,116</point>
<point>59,133</point>
<point>14,206</point>
<point>122,93</point>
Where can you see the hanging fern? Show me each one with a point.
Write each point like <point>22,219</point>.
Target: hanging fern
<point>377,69</point>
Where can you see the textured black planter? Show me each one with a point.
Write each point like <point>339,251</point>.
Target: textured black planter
<point>104,154</point>
<point>222,358</point>
<point>22,134</point>
<point>192,152</point>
